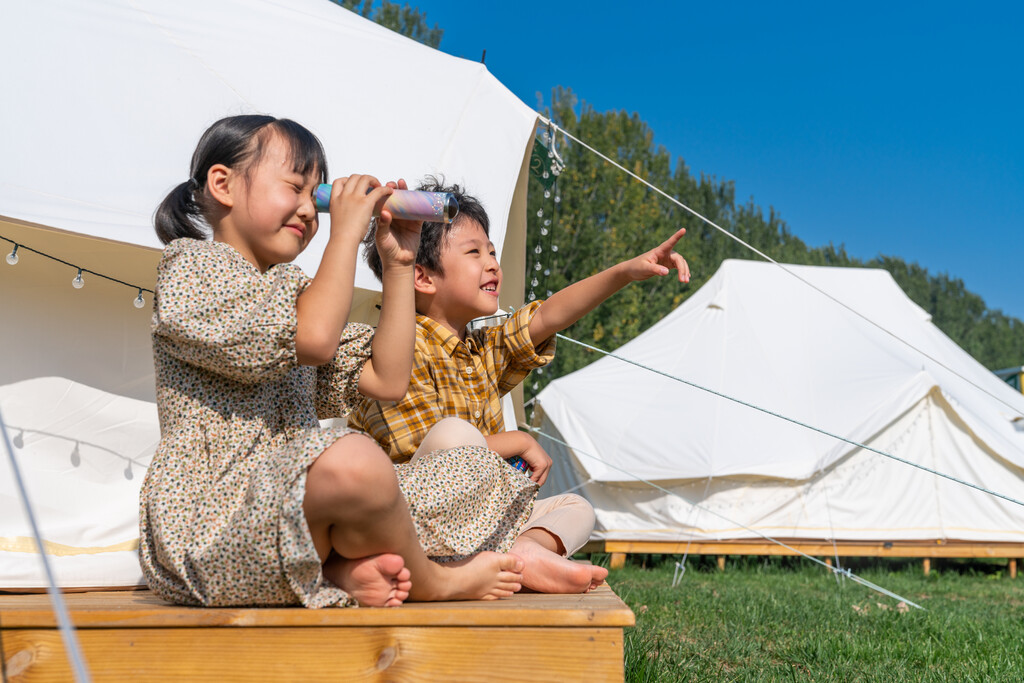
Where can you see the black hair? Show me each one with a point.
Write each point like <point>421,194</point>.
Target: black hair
<point>433,236</point>
<point>238,143</point>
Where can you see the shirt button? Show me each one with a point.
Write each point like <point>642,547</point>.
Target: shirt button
<point>469,369</point>
<point>476,414</point>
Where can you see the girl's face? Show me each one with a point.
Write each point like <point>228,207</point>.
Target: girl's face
<point>272,217</point>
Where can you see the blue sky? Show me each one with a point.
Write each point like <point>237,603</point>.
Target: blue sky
<point>888,128</point>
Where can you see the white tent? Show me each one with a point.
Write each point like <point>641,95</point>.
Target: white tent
<point>105,101</point>
<point>756,333</point>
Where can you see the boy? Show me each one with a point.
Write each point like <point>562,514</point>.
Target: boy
<point>464,375</point>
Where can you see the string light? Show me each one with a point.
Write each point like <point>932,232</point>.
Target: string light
<point>79,281</point>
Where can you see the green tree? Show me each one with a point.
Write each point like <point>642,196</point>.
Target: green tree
<point>604,216</point>
<point>404,19</point>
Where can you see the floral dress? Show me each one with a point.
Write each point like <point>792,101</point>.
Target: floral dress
<point>221,518</point>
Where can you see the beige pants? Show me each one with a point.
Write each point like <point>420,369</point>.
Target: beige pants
<point>567,517</point>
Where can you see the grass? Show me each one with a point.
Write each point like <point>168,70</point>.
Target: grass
<point>783,619</point>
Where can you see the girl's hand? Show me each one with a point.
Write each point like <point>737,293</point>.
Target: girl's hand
<point>353,200</point>
<point>659,261</point>
<point>397,240</point>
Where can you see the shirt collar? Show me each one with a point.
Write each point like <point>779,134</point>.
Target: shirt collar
<point>438,334</point>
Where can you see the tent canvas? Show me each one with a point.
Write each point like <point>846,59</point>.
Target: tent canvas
<point>106,101</point>
<point>757,333</point>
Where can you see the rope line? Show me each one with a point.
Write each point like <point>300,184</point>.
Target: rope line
<point>725,232</point>
<point>67,629</point>
<point>793,421</point>
<point>836,570</point>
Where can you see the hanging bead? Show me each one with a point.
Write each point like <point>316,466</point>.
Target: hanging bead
<point>540,213</point>
<point>534,282</point>
<point>554,247</point>
<point>543,231</point>
<point>538,249</point>
<point>547,194</point>
<point>537,266</point>
<point>547,271</point>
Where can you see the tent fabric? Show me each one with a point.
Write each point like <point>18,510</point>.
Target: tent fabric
<point>107,101</point>
<point>758,332</point>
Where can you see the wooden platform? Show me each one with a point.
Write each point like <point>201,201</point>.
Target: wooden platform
<point>927,550</point>
<point>136,636</point>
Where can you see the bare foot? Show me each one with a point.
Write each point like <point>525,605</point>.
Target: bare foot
<point>375,581</point>
<point>485,576</point>
<point>547,572</point>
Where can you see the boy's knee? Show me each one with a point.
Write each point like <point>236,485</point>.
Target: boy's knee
<point>457,431</point>
<point>582,508</point>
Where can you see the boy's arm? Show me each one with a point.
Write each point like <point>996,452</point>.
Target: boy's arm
<point>568,305</point>
<point>512,444</point>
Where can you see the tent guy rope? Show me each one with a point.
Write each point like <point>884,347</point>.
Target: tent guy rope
<point>67,629</point>
<point>725,232</point>
<point>791,420</point>
<point>836,570</point>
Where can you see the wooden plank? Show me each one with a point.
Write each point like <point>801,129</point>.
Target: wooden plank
<point>327,653</point>
<point>842,548</point>
<point>142,609</point>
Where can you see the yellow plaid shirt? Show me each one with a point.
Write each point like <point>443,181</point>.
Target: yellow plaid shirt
<point>452,378</point>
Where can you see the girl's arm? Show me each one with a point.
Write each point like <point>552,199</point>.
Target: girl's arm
<point>568,305</point>
<point>323,307</point>
<point>386,374</point>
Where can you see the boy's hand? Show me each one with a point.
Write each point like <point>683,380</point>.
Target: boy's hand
<point>397,240</point>
<point>659,261</point>
<point>353,199</point>
<point>537,458</point>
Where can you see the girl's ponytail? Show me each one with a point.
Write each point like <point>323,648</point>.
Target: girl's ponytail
<point>179,214</point>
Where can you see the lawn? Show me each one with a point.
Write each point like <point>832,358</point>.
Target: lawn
<point>768,619</point>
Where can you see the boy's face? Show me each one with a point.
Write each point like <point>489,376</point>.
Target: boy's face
<point>471,282</point>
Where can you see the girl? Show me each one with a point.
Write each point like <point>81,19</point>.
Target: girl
<point>247,501</point>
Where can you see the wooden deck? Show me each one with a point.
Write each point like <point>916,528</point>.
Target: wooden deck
<point>927,550</point>
<point>136,636</point>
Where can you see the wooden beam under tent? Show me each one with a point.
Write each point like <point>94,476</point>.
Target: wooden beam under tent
<point>927,550</point>
<point>135,635</point>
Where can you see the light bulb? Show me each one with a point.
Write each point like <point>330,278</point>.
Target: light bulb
<point>78,282</point>
<point>19,440</point>
<point>139,301</point>
<point>12,258</point>
<point>76,456</point>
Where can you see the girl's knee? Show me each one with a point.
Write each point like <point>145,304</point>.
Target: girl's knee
<point>352,465</point>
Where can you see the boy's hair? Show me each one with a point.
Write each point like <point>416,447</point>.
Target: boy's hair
<point>433,236</point>
<point>238,143</point>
